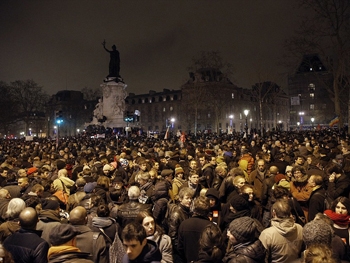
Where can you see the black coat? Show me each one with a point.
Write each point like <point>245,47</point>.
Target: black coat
<point>251,253</point>
<point>27,246</point>
<point>190,231</point>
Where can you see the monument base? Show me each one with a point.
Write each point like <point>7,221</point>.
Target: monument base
<point>112,104</point>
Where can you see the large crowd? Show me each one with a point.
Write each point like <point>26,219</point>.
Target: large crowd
<point>281,197</point>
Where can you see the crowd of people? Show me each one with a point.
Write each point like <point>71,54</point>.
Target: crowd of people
<point>281,197</point>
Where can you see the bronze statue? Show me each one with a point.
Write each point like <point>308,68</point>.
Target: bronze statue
<point>114,62</point>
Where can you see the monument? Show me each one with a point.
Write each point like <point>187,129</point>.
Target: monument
<point>109,111</point>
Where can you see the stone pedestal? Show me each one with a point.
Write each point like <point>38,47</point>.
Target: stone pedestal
<point>114,94</point>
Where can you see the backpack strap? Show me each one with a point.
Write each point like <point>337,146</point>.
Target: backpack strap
<point>105,235</point>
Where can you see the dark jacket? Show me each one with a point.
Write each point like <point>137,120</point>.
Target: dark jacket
<point>150,253</point>
<point>97,250</point>
<point>316,203</point>
<point>190,231</point>
<point>179,214</point>
<point>27,246</point>
<point>246,253</point>
<point>128,212</point>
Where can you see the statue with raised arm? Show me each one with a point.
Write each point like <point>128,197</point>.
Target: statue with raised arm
<point>114,62</point>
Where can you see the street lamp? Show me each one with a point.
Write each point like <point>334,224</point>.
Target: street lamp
<point>231,124</point>
<point>172,120</point>
<point>312,122</point>
<point>246,120</point>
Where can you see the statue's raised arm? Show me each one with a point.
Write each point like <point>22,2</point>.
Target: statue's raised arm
<point>114,62</point>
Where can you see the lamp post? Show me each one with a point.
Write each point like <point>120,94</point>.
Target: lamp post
<point>172,120</point>
<point>246,112</point>
<point>312,122</point>
<point>231,124</point>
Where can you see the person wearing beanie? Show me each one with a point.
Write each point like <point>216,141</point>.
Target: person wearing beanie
<point>178,181</point>
<point>283,240</point>
<point>63,249</point>
<point>237,207</point>
<point>244,246</point>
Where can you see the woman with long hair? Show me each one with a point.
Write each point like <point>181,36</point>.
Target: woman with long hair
<point>156,233</point>
<point>339,213</point>
<point>211,245</point>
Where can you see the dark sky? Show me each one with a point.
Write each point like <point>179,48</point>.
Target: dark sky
<point>58,43</point>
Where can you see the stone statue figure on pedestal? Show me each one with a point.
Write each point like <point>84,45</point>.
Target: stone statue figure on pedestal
<point>114,62</point>
<point>98,111</point>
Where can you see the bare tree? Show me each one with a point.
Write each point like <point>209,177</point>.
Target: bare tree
<point>29,99</point>
<point>91,94</point>
<point>204,90</point>
<point>8,108</point>
<point>326,30</point>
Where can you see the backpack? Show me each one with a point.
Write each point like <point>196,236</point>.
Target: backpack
<point>115,249</point>
<point>170,209</point>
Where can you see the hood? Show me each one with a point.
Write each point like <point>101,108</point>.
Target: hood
<point>284,226</point>
<point>102,222</point>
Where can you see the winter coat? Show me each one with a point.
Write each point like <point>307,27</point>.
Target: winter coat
<point>128,212</point>
<point>179,214</point>
<point>283,240</point>
<point>251,252</point>
<point>27,246</point>
<point>97,250</point>
<point>165,247</point>
<point>189,233</point>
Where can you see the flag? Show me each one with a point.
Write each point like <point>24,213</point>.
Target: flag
<point>166,136</point>
<point>334,121</point>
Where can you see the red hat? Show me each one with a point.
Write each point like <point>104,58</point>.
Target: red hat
<point>32,170</point>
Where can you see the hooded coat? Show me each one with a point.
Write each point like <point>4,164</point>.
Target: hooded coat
<point>283,240</point>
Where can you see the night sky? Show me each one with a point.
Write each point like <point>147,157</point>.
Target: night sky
<point>58,43</point>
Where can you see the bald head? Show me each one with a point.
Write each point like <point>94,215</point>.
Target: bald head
<point>273,170</point>
<point>28,218</point>
<point>78,216</point>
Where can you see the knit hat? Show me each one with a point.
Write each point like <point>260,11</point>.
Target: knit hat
<point>61,234</point>
<point>243,229</point>
<point>32,170</point>
<point>89,187</point>
<point>124,162</point>
<point>178,169</point>
<point>166,172</point>
<point>212,192</point>
<point>239,203</point>
<point>317,232</point>
<point>279,177</point>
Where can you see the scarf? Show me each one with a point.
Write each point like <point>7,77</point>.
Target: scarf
<point>61,249</point>
<point>339,219</point>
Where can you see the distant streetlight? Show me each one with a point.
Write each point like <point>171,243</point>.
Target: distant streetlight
<point>231,123</point>
<point>312,122</point>
<point>246,112</point>
<point>172,120</point>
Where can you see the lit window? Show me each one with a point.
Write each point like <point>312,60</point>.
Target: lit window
<point>171,108</point>
<point>312,95</point>
<point>163,109</point>
<point>312,106</point>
